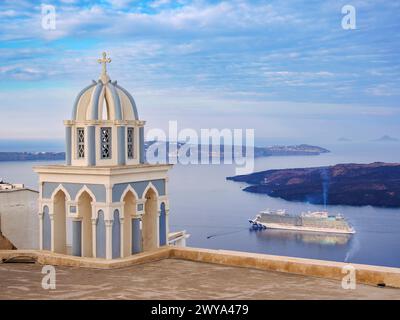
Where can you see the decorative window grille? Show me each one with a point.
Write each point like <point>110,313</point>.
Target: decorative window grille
<point>81,142</point>
<point>130,143</point>
<point>105,143</point>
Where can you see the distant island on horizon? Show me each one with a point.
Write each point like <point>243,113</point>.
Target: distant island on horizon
<point>344,139</point>
<point>375,184</point>
<point>276,150</point>
<point>31,156</point>
<point>386,138</point>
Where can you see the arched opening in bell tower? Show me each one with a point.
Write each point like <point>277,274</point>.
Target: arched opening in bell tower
<point>60,222</point>
<point>85,212</point>
<point>116,235</point>
<point>129,211</point>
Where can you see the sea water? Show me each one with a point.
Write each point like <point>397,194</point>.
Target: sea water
<point>215,211</point>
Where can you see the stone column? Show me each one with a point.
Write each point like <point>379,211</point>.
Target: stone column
<point>167,224</point>
<point>109,224</point>
<point>94,249</point>
<point>77,237</point>
<point>137,234</point>
<point>53,245</point>
<point>122,235</point>
<point>40,216</point>
<point>158,227</point>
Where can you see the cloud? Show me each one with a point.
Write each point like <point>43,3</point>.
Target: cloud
<point>22,73</point>
<point>197,17</point>
<point>159,3</point>
<point>69,1</point>
<point>120,3</point>
<point>228,54</point>
<point>8,14</point>
<point>383,90</point>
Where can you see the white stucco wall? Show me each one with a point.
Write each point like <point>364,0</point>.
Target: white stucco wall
<point>19,220</point>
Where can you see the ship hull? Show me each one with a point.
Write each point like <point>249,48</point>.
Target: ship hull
<point>303,228</point>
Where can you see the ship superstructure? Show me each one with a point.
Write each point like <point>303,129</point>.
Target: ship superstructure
<point>317,221</point>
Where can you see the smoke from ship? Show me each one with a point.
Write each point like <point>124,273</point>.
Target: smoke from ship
<point>325,185</point>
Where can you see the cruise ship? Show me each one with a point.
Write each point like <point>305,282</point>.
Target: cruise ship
<point>318,221</point>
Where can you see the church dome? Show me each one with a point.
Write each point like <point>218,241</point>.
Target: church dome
<point>100,100</point>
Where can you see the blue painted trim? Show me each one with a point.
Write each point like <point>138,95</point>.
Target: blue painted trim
<point>100,236</point>
<point>91,133</point>
<point>117,102</point>
<point>78,97</point>
<point>116,236</point>
<point>68,147</point>
<point>139,187</point>
<point>136,236</point>
<point>141,145</point>
<point>99,190</point>
<point>134,108</point>
<point>77,238</point>
<point>163,225</point>
<point>95,101</point>
<point>46,235</point>
<point>121,145</point>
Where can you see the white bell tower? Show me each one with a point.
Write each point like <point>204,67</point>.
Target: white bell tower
<point>115,203</point>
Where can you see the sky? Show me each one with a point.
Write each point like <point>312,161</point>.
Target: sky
<point>284,68</point>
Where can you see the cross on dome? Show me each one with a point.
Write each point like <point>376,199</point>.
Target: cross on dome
<point>104,60</point>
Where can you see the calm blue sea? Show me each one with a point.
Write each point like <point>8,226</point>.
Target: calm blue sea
<point>215,211</point>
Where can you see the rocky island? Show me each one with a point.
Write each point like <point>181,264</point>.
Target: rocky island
<point>375,184</point>
<point>292,150</point>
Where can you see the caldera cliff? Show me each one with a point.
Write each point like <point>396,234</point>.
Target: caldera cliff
<point>375,184</point>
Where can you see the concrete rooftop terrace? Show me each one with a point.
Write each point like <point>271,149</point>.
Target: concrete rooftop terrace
<point>190,273</point>
<point>176,279</point>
